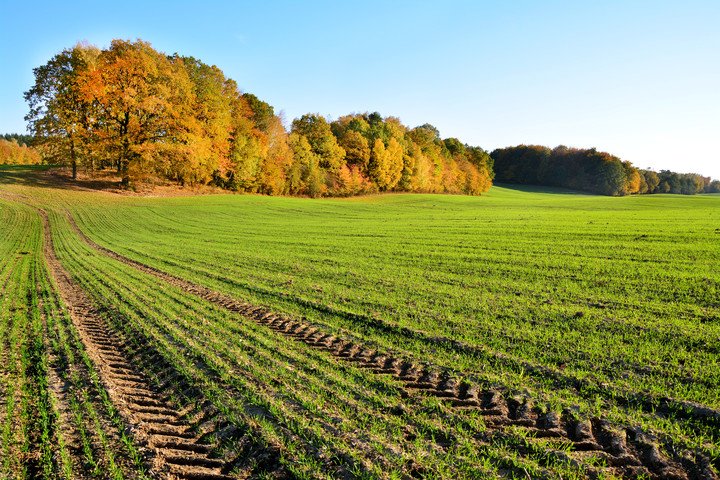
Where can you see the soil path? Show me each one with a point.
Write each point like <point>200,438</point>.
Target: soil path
<point>629,451</point>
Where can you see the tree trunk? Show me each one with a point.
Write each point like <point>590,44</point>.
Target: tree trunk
<point>73,159</point>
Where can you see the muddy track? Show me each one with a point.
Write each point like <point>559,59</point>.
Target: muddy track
<point>173,449</point>
<point>628,451</point>
<point>77,405</point>
<point>61,390</point>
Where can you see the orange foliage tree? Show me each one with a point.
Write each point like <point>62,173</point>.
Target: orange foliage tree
<point>59,114</point>
<point>143,103</point>
<point>11,152</point>
<point>146,113</point>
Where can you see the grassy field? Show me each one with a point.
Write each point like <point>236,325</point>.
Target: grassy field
<point>597,308</point>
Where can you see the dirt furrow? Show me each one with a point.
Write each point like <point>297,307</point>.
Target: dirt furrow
<point>701,416</point>
<point>174,451</point>
<point>629,451</point>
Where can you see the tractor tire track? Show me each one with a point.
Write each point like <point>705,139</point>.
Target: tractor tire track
<point>171,445</point>
<point>629,451</point>
<point>701,416</point>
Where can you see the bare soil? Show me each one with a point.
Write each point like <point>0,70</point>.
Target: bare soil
<point>108,181</point>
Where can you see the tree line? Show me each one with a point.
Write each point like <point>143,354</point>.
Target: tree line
<point>16,149</point>
<point>591,171</point>
<point>147,114</point>
<point>144,113</point>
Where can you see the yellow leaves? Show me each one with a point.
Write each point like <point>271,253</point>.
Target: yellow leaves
<point>386,163</point>
<point>357,149</point>
<point>143,103</point>
<point>148,114</point>
<point>350,181</point>
<point>322,141</point>
<point>12,153</point>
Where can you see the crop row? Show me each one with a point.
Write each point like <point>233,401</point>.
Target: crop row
<point>580,434</point>
<point>615,387</point>
<point>21,360</point>
<point>56,419</point>
<point>549,304</point>
<point>573,302</point>
<point>327,416</point>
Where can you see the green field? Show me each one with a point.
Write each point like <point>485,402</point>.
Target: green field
<point>600,309</point>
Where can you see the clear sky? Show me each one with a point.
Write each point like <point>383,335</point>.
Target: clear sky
<point>638,79</point>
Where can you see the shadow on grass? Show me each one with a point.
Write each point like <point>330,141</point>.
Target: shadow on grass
<point>50,176</point>
<point>540,189</point>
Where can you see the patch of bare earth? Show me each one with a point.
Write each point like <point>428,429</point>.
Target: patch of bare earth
<point>108,181</point>
<point>67,379</point>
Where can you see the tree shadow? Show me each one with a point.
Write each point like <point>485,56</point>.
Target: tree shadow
<point>50,176</point>
<point>541,189</point>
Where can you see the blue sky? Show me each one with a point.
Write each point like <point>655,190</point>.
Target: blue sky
<point>639,79</point>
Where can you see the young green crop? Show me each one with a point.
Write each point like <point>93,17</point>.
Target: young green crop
<point>301,387</point>
<point>618,292</point>
<point>543,277</point>
<point>592,305</point>
<point>50,412</point>
<point>27,416</point>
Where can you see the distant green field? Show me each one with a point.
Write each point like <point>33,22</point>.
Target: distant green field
<point>624,290</point>
<point>597,305</point>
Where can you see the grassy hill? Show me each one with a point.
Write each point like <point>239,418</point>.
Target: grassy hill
<point>593,307</point>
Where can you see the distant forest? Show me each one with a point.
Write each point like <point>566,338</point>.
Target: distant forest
<point>591,171</point>
<point>146,114</point>
<point>16,149</point>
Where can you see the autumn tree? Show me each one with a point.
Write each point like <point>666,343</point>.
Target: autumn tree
<point>305,175</point>
<point>144,101</point>
<point>350,132</point>
<point>147,113</point>
<point>278,159</point>
<point>607,172</point>
<point>357,149</point>
<point>633,180</point>
<point>482,160</point>
<point>60,115</point>
<point>425,135</point>
<point>386,163</point>
<point>247,143</point>
<point>396,158</point>
<point>11,152</point>
<point>262,154</point>
<point>208,130</point>
<point>262,113</point>
<point>323,143</point>
<point>470,167</point>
